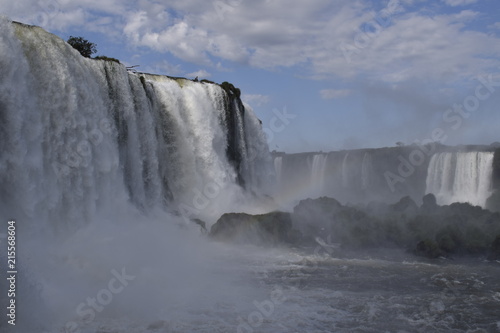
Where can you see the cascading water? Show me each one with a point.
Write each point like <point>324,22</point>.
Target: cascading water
<point>460,177</point>
<point>318,173</point>
<point>366,171</point>
<point>79,132</point>
<point>278,164</point>
<point>345,172</point>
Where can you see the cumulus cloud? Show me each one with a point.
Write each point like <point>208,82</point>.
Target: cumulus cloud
<point>334,93</point>
<point>162,67</point>
<point>255,99</point>
<point>201,74</point>
<point>351,39</point>
<point>455,3</point>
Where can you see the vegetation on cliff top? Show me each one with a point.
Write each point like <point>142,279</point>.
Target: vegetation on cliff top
<point>83,46</point>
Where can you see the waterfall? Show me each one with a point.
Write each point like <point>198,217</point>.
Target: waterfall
<point>345,172</point>
<point>80,135</point>
<point>278,164</point>
<point>460,177</point>
<point>366,170</point>
<point>318,173</point>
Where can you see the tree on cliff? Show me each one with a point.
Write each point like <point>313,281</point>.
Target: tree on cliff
<point>83,46</point>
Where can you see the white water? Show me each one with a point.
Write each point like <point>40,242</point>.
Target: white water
<point>318,174</point>
<point>278,164</point>
<point>78,133</point>
<point>460,177</point>
<point>366,171</point>
<point>345,172</point>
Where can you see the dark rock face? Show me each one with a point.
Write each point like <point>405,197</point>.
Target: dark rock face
<point>429,203</point>
<point>495,249</point>
<point>266,229</point>
<point>202,224</point>
<point>405,205</point>
<point>234,115</point>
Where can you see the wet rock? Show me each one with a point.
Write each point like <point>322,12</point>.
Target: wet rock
<point>429,203</point>
<point>405,205</point>
<point>265,229</point>
<point>202,224</point>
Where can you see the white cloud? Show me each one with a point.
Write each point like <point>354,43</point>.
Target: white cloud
<point>455,3</point>
<point>334,93</point>
<point>162,67</point>
<point>255,99</point>
<point>201,74</point>
<point>466,15</point>
<point>291,33</point>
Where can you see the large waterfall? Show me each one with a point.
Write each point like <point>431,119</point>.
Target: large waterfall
<point>461,177</point>
<point>80,135</point>
<point>102,170</point>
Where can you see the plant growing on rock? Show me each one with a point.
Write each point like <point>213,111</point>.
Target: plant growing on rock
<point>83,46</point>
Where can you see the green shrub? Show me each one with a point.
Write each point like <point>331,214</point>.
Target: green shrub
<point>83,46</point>
<point>107,59</point>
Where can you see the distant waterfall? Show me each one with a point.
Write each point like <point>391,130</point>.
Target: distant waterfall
<point>366,171</point>
<point>318,173</point>
<point>460,177</point>
<point>278,164</point>
<point>345,172</point>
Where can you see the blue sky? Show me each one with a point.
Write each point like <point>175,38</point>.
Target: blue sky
<point>321,74</point>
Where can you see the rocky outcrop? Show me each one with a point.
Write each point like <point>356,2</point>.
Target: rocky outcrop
<point>265,229</point>
<point>405,205</point>
<point>429,203</point>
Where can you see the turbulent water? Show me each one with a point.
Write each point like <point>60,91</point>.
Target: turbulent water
<point>102,168</point>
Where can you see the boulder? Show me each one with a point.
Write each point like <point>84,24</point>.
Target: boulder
<point>429,203</point>
<point>265,229</point>
<point>429,249</point>
<point>405,205</point>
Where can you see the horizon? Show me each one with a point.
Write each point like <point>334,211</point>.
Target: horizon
<point>322,76</point>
